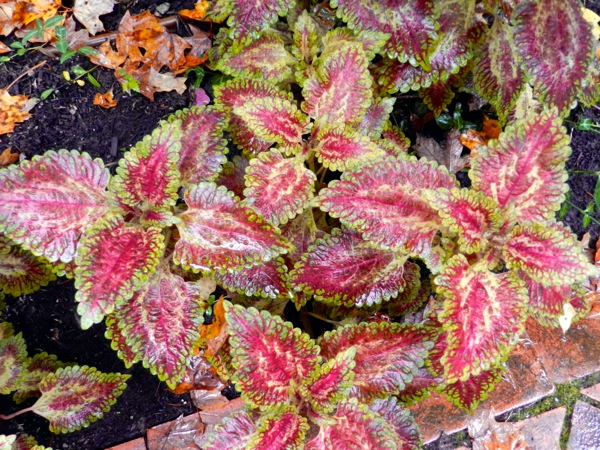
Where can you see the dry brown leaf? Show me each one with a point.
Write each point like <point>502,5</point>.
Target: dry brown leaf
<point>6,11</point>
<point>88,13</point>
<point>474,139</point>
<point>27,11</point>
<point>7,157</point>
<point>447,154</point>
<point>4,48</point>
<point>197,13</point>
<point>105,100</point>
<point>14,109</point>
<point>491,435</point>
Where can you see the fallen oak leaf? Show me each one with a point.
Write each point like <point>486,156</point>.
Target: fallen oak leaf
<point>88,13</point>
<point>6,11</point>
<point>447,154</point>
<point>7,157</point>
<point>14,109</point>
<point>27,11</point>
<point>105,100</point>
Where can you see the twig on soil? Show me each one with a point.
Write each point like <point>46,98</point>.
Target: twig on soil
<point>31,69</point>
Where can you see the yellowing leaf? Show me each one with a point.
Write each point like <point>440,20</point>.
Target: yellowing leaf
<point>87,12</point>
<point>27,11</point>
<point>13,110</point>
<point>197,13</point>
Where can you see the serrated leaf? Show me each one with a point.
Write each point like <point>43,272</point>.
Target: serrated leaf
<point>341,148</point>
<point>114,261</point>
<point>497,72</point>
<point>393,141</point>
<point>483,312</point>
<point>549,254</point>
<point>339,90</point>
<point>468,394</point>
<point>6,330</point>
<point>547,304</point>
<point>20,271</point>
<point>413,296</point>
<point>555,44</point>
<point>118,342</point>
<point>344,269</point>
<point>161,324</point>
<point>248,16</point>
<point>410,24</point>
<point>75,396</point>
<point>147,176</point>
<point>439,94</point>
<point>203,148</point>
<point>265,58</point>
<point>25,442</point>
<point>278,188</point>
<point>524,170</point>
<point>353,426</point>
<point>265,280</point>
<point>376,117</point>
<point>64,191</point>
<point>218,233</point>
<point>301,232</point>
<point>473,216</point>
<point>372,42</point>
<point>274,120</point>
<point>13,361</point>
<point>398,349</point>
<point>269,355</point>
<point>408,436</point>
<point>36,369</point>
<point>384,201</point>
<point>306,38</point>
<point>282,428</point>
<point>234,433</point>
<point>235,94</point>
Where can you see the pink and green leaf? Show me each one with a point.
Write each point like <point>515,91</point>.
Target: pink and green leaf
<point>24,442</point>
<point>64,191</point>
<point>549,254</point>
<point>376,117</point>
<point>40,365</point>
<point>408,436</point>
<point>147,176</point>
<point>344,269</point>
<point>248,16</point>
<point>410,24</point>
<point>471,215</point>
<point>497,72</point>
<point>306,38</point>
<point>339,90</point>
<point>74,397</point>
<point>118,342</point>
<point>400,350</point>
<point>468,394</point>
<point>114,261</point>
<point>269,355</point>
<point>13,363</point>
<point>385,202</point>
<point>20,271</point>
<point>393,141</point>
<point>483,313</point>
<point>524,170</point>
<point>218,233</point>
<point>439,94</point>
<point>280,427</point>
<point>161,324</point>
<point>354,426</point>
<point>234,433</point>
<point>414,295</point>
<point>341,148</point>
<point>203,148</point>
<point>301,232</point>
<point>266,280</point>
<point>555,45</point>
<point>278,188</point>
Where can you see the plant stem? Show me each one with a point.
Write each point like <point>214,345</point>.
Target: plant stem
<point>577,208</point>
<point>15,414</point>
<point>584,172</point>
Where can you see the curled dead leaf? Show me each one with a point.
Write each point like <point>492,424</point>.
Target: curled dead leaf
<point>88,13</point>
<point>447,154</point>
<point>7,157</point>
<point>14,109</point>
<point>198,13</point>
<point>105,100</point>
<point>27,11</point>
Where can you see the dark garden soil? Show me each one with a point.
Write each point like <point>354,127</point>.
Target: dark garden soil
<point>47,319</point>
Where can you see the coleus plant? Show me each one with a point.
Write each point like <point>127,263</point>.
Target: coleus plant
<point>324,201</point>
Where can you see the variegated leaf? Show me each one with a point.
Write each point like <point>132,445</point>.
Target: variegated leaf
<point>376,117</point>
<point>64,191</point>
<point>393,141</point>
<point>422,384</point>
<point>235,94</point>
<point>274,120</point>
<point>339,90</point>
<point>114,261</point>
<point>24,442</point>
<point>118,342</point>
<point>549,254</point>
<point>415,293</point>
<point>341,148</point>
<point>439,94</point>
<point>218,233</point>
<point>301,232</point>
<point>248,16</point>
<point>265,58</point>
<point>473,216</point>
<point>496,72</point>
<point>234,433</point>
<point>353,426</point>
<point>331,382</point>
<point>36,369</point>
<point>147,176</point>
<point>344,269</point>
<point>385,202</point>
<point>278,188</point>
<point>306,38</point>
<point>161,324</point>
<point>266,280</point>
<point>483,312</point>
<point>20,271</point>
<point>410,24</point>
<point>281,428</point>
<point>408,436</point>
<point>75,396</point>
<point>203,148</point>
<point>271,357</point>
<point>524,170</point>
<point>6,330</point>
<point>400,350</point>
<point>468,394</point>
<point>555,44</point>
<point>372,42</point>
<point>13,362</point>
